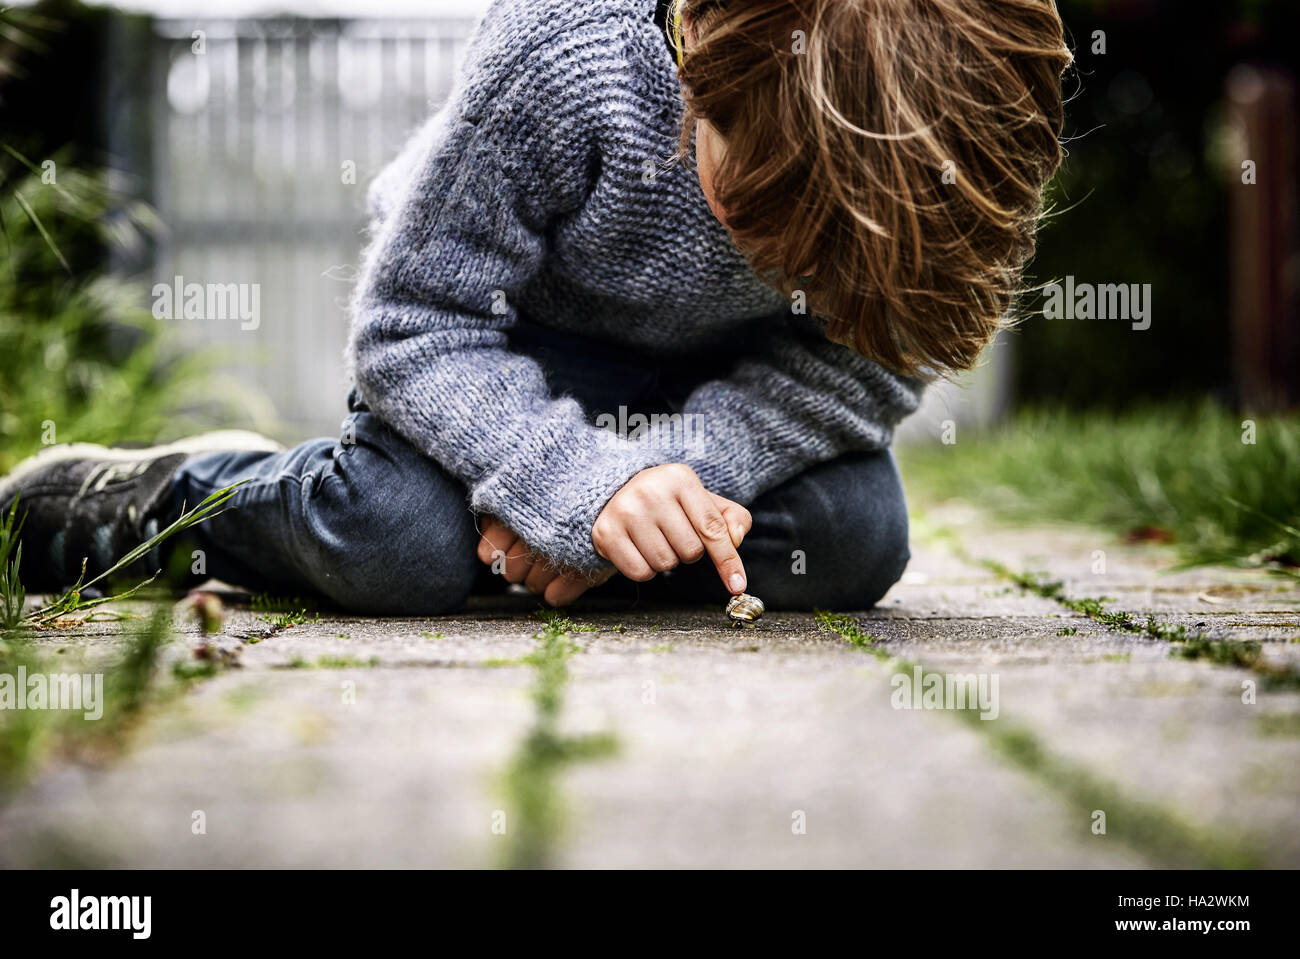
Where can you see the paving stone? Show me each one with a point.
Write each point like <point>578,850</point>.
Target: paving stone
<point>288,775</point>
<point>736,753</point>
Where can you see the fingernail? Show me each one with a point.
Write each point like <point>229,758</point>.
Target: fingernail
<point>737,583</point>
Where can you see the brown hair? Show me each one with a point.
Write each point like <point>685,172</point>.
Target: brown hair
<point>887,157</point>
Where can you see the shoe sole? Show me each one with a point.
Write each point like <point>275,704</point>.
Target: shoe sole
<point>218,441</point>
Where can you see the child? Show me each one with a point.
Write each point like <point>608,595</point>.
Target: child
<point>865,185</point>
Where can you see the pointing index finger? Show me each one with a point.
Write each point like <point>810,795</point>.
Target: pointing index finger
<point>712,528</point>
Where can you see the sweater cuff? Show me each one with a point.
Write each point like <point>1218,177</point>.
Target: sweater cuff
<point>553,505</point>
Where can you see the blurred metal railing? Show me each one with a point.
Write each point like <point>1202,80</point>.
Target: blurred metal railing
<point>266,133</point>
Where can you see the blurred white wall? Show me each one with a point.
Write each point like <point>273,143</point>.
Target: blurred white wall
<point>973,401</point>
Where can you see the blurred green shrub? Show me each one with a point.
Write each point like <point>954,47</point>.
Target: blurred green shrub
<point>1221,488</point>
<point>81,357</point>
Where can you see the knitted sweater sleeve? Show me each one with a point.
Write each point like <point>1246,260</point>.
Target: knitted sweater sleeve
<point>461,230</point>
<point>793,400</point>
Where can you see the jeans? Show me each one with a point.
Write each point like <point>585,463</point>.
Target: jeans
<point>377,527</point>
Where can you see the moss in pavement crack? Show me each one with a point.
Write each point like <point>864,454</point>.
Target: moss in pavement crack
<point>330,662</point>
<point>851,631</point>
<point>1160,834</point>
<point>130,686</point>
<point>1246,654</point>
<point>532,779</point>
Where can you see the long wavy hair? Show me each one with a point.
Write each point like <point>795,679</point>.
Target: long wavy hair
<point>886,157</point>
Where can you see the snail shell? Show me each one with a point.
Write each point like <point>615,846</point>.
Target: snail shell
<point>744,610</point>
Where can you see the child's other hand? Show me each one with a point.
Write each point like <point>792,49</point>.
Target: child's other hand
<point>664,516</point>
<point>520,565</point>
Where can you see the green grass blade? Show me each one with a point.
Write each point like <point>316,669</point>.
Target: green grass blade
<point>13,596</point>
<point>70,601</point>
<point>36,222</point>
<point>43,618</point>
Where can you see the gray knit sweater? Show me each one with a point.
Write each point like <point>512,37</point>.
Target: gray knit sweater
<point>540,191</point>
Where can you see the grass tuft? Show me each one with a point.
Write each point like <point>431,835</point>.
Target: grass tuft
<point>13,597</point>
<point>72,602</point>
<point>851,631</point>
<point>1191,476</point>
<point>270,603</point>
<point>289,620</point>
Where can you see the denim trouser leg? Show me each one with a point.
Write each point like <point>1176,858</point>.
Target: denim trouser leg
<point>371,524</point>
<point>377,527</point>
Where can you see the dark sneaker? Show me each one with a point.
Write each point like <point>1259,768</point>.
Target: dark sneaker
<point>98,503</point>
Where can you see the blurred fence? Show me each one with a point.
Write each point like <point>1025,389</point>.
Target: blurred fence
<point>265,135</point>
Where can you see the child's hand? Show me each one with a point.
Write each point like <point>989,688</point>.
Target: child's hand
<point>520,565</point>
<point>664,516</point>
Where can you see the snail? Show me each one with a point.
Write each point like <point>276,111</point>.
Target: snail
<point>744,610</point>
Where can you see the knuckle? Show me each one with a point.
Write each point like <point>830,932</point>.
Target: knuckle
<point>680,472</point>
<point>665,563</point>
<point>693,553</point>
<point>714,527</point>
